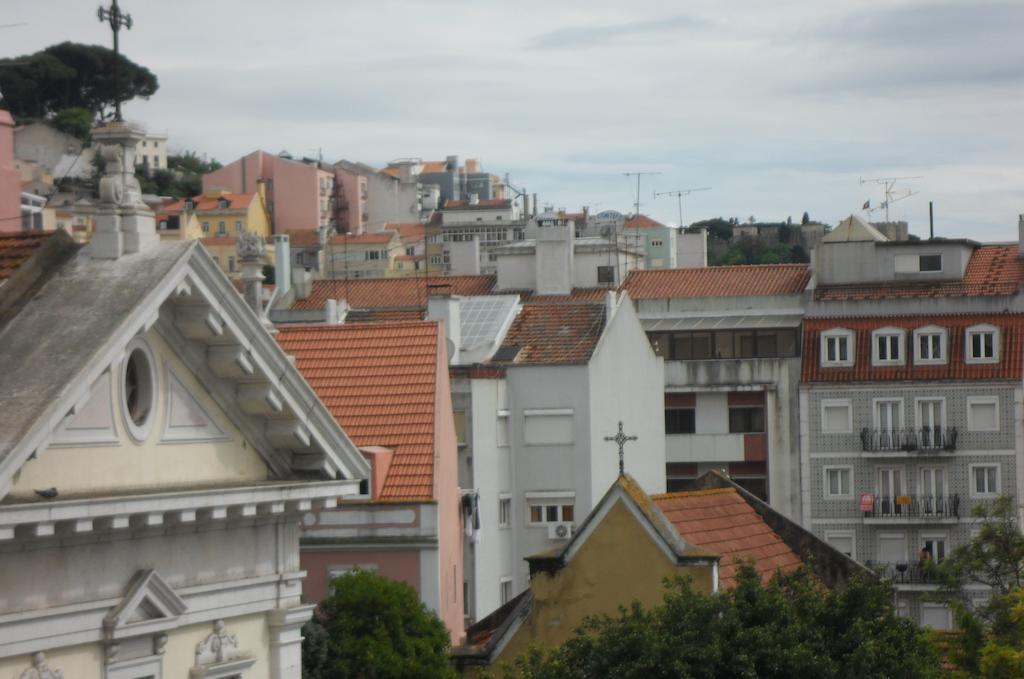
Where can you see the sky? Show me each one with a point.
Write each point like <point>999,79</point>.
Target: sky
<point>779,107</point>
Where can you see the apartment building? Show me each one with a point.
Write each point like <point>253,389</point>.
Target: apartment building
<point>910,399</point>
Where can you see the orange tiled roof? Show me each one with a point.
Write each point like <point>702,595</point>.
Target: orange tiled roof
<point>577,295</point>
<point>426,166</point>
<point>236,201</point>
<point>721,521</point>
<point>16,248</point>
<point>643,222</point>
<point>556,333</point>
<point>992,270</point>
<point>483,203</point>
<point>363,239</point>
<point>375,293</point>
<point>1011,365</point>
<point>380,383</point>
<point>304,237</point>
<point>719,281</point>
<point>413,231</point>
<point>386,315</point>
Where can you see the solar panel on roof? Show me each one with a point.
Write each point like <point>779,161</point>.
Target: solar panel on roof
<point>481,318</point>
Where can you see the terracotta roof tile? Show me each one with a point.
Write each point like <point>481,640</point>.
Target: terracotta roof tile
<point>642,222</point>
<point>415,231</point>
<point>363,239</point>
<point>484,203</point>
<point>379,381</point>
<point>719,281</point>
<point>721,521</point>
<point>555,333</point>
<point>378,293</point>
<point>304,237</point>
<point>16,248</point>
<point>204,203</point>
<point>1011,365</point>
<point>992,270</point>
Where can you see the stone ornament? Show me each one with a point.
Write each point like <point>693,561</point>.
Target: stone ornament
<point>40,670</point>
<point>218,647</point>
<point>250,246</point>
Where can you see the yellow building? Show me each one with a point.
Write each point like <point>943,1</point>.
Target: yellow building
<point>368,255</point>
<point>623,552</point>
<point>215,214</point>
<point>224,250</point>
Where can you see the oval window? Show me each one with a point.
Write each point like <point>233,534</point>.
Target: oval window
<point>138,390</point>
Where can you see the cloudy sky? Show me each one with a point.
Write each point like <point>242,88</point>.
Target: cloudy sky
<point>779,107</point>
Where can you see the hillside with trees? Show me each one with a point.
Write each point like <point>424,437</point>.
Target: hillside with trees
<point>755,242</point>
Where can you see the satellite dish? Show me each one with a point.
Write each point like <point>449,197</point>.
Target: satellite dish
<point>451,348</point>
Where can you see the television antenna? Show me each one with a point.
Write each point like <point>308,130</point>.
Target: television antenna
<point>636,212</point>
<point>679,193</point>
<point>891,194</point>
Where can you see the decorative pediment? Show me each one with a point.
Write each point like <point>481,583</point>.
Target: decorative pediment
<point>149,605</point>
<point>186,419</point>
<point>91,421</point>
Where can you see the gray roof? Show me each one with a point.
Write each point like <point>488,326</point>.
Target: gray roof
<point>56,328</point>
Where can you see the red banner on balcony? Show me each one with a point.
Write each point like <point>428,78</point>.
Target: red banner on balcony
<point>867,502</point>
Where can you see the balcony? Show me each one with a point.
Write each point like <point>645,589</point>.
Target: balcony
<point>924,440</point>
<point>904,573</point>
<point>913,508</point>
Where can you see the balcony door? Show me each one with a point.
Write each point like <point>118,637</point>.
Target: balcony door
<point>934,489</point>
<point>929,419</point>
<point>888,422</point>
<point>890,485</point>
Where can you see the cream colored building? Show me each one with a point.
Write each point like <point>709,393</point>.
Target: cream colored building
<point>156,458</point>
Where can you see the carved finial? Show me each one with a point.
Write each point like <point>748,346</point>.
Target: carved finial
<point>250,246</point>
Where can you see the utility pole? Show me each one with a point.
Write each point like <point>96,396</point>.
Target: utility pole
<point>679,194</point>
<point>890,196</point>
<point>116,19</point>
<point>636,212</point>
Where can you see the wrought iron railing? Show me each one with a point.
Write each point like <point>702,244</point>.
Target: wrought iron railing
<point>906,573</point>
<point>908,440</point>
<point>915,507</point>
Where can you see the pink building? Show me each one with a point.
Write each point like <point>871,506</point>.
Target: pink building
<point>10,182</point>
<point>387,385</point>
<point>301,195</point>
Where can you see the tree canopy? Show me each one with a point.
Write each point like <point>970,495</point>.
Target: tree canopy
<point>71,75</point>
<point>374,628</point>
<point>183,176</point>
<point>790,627</point>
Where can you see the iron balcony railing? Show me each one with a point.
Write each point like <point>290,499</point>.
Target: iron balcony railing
<point>909,440</point>
<point>906,573</point>
<point>915,507</point>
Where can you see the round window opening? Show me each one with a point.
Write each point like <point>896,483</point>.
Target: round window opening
<point>138,387</point>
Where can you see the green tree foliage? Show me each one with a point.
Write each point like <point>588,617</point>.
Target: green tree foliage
<point>74,121</point>
<point>789,627</point>
<point>71,75</point>
<point>182,178</point>
<point>375,628</point>
<point>991,639</point>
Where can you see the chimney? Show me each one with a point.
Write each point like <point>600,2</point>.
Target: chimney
<point>282,264</point>
<point>554,258</point>
<point>526,206</point>
<point>302,282</point>
<point>1020,235</point>
<point>446,308</point>
<point>335,311</point>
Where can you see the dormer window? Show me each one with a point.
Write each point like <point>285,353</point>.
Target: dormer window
<point>982,344</point>
<point>222,203</point>
<point>837,348</point>
<point>918,263</point>
<point>887,346</point>
<point>190,204</point>
<point>930,345</point>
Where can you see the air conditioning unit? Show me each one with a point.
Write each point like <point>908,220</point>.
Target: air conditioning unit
<point>560,531</point>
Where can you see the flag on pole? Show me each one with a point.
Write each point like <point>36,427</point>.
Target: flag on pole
<point>867,205</point>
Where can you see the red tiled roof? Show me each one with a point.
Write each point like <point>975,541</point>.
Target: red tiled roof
<point>304,237</point>
<point>380,383</point>
<point>426,166</point>
<point>483,203</point>
<point>386,315</point>
<point>642,222</point>
<point>992,270</point>
<point>719,281</point>
<point>414,231</point>
<point>408,258</point>
<point>16,248</point>
<point>1010,366</point>
<point>721,521</point>
<point>363,239</point>
<point>556,333</point>
<point>236,201</point>
<point>375,293</point>
<point>577,295</point>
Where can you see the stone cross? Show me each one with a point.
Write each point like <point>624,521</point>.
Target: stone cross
<point>116,18</point>
<point>621,439</point>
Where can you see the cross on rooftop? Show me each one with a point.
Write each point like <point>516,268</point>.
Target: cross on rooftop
<point>621,439</point>
<point>116,18</point>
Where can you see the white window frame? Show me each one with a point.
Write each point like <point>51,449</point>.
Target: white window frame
<point>917,410</point>
<point>852,534</point>
<point>981,329</point>
<point>905,490</point>
<point>894,534</point>
<point>943,334</point>
<point>999,480</point>
<point>901,345</point>
<point>502,582</point>
<point>838,333</point>
<point>146,666</point>
<point>504,419</point>
<point>545,498</point>
<point>982,400</point>
<point>504,510</point>
<point>837,403</point>
<point>837,467</point>
<point>877,425</point>
<point>945,474</point>
<point>140,432</point>
<point>935,535</point>
<point>933,605</point>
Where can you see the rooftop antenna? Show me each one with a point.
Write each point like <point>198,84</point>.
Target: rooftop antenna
<point>891,196</point>
<point>679,193</point>
<point>636,212</point>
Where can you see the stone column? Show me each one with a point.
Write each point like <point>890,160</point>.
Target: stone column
<point>286,640</point>
<point>251,249</point>
<point>123,222</point>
